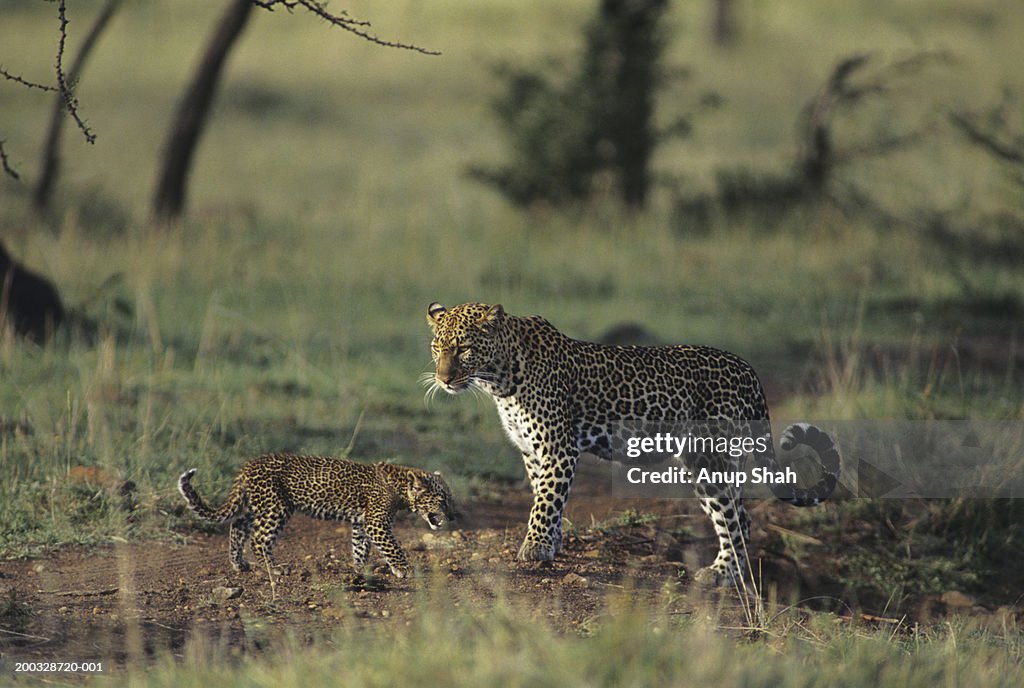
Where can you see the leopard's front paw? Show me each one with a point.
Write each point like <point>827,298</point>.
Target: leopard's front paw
<point>712,577</point>
<point>536,551</point>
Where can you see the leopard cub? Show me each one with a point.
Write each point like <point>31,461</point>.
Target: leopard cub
<point>270,488</point>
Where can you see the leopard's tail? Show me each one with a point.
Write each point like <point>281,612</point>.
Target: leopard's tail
<point>824,446</point>
<point>236,500</point>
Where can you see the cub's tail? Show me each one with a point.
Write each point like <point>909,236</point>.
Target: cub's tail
<point>825,447</point>
<point>236,500</point>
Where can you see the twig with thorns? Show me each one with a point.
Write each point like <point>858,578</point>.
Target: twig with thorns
<point>18,79</point>
<point>355,26</point>
<point>65,89</point>
<point>6,165</point>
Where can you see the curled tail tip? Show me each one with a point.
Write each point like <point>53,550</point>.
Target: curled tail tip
<point>187,475</point>
<point>795,434</point>
<point>831,464</point>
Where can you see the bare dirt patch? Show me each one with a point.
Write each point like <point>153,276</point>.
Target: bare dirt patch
<point>145,597</point>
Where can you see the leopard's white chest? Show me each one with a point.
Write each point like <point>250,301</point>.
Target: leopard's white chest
<point>516,422</point>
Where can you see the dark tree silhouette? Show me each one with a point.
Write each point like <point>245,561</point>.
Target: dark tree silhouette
<point>723,25</point>
<point>191,116</point>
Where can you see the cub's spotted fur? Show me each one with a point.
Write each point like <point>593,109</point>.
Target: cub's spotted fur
<point>558,397</point>
<point>270,488</point>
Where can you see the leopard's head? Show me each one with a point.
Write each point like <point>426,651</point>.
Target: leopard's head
<point>428,495</point>
<point>465,344</point>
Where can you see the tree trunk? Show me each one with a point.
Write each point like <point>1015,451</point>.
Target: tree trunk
<point>723,28</point>
<point>192,113</point>
<point>50,168</point>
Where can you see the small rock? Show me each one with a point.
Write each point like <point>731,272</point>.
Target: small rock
<point>223,592</point>
<point>592,554</point>
<point>575,580</point>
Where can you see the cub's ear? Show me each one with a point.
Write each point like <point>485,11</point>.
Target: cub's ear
<point>416,484</point>
<point>434,313</point>
<point>492,317</point>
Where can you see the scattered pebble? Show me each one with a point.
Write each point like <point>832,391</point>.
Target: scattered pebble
<point>222,592</point>
<point>575,580</point>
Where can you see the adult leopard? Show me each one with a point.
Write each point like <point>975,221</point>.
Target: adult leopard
<point>558,397</point>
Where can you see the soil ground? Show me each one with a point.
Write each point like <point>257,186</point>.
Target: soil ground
<point>99,604</point>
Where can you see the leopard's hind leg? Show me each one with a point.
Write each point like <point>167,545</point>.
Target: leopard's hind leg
<point>723,503</point>
<point>732,526</point>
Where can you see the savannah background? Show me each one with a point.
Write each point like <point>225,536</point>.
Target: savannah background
<point>332,200</point>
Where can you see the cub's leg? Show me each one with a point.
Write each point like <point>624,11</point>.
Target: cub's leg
<point>360,546</point>
<point>270,516</point>
<point>379,530</point>
<point>241,529</point>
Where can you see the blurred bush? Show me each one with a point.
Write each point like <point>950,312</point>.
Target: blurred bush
<point>593,129</point>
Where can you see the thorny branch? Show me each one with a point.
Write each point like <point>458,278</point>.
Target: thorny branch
<point>7,167</point>
<point>63,87</point>
<point>25,82</point>
<point>69,97</point>
<point>342,21</point>
<point>1010,151</point>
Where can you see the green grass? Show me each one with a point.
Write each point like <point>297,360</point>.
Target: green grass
<point>626,645</point>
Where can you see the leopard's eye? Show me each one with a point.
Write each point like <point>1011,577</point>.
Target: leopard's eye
<point>463,353</point>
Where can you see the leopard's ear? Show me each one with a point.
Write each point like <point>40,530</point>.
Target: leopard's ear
<point>434,313</point>
<point>494,315</point>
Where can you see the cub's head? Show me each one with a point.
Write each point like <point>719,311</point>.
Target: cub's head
<point>464,345</point>
<point>428,495</point>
